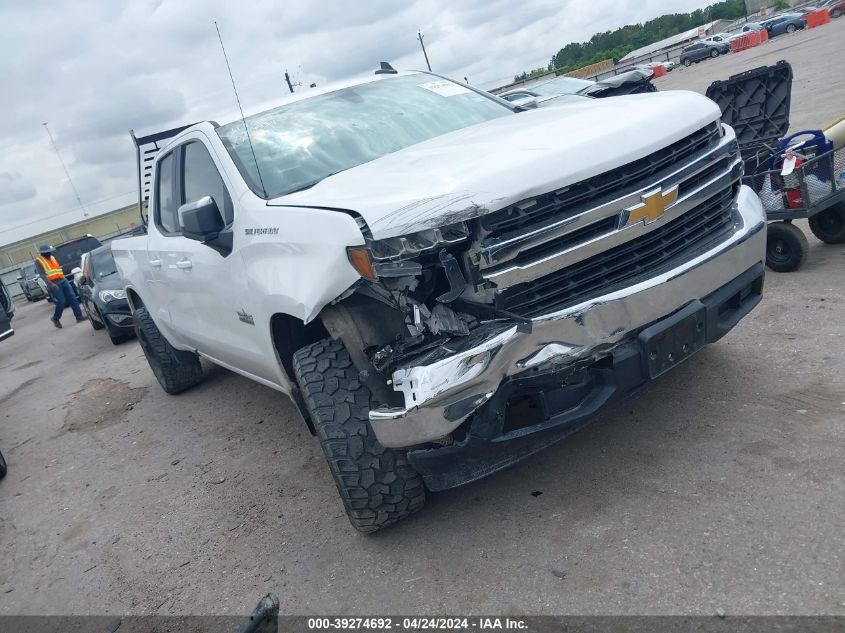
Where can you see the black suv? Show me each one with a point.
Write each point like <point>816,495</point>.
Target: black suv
<point>703,50</point>
<point>102,297</point>
<point>7,310</point>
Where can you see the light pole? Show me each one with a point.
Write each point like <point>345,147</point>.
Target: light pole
<point>69,179</point>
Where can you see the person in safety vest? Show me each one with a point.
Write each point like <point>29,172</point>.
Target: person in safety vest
<point>51,271</point>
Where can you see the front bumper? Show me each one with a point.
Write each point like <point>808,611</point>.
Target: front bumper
<point>442,393</point>
<point>118,316</point>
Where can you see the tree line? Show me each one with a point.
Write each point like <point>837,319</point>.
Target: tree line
<point>618,43</point>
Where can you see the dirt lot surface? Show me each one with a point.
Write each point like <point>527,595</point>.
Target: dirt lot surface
<point>720,486</point>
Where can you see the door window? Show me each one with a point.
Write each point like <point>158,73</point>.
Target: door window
<point>165,199</point>
<point>201,178</point>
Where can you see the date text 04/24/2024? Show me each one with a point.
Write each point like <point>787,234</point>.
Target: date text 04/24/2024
<point>415,624</point>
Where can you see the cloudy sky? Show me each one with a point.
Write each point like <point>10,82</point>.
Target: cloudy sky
<point>95,69</point>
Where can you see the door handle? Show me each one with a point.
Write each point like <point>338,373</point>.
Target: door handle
<point>184,264</point>
<point>155,263</point>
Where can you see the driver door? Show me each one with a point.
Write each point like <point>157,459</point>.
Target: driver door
<point>212,285</point>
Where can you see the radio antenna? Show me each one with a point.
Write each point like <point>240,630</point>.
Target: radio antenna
<point>243,118</point>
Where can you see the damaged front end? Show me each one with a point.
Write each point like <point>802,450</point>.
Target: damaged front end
<point>509,322</point>
<point>406,304</point>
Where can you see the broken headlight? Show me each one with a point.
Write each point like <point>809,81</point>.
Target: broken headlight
<point>390,257</point>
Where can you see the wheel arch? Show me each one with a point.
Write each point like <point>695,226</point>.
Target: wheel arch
<point>134,299</point>
<point>289,334</point>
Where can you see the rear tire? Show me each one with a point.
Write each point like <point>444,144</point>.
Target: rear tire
<point>829,225</point>
<point>714,53</point>
<point>687,63</point>
<point>835,13</point>
<point>378,485</point>
<point>786,247</point>
<point>174,369</point>
<point>790,28</point>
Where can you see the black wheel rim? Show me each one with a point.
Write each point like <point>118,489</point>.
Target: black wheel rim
<point>778,251</point>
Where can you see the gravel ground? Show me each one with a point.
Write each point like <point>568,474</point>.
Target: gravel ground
<point>718,487</point>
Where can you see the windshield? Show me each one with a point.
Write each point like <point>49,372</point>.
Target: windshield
<point>103,264</point>
<point>69,255</point>
<point>299,144</point>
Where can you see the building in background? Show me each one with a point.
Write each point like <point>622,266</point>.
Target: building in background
<point>104,227</point>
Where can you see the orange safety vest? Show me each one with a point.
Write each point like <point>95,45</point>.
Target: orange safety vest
<point>51,267</point>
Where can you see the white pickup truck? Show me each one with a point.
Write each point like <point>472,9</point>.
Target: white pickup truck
<point>442,282</point>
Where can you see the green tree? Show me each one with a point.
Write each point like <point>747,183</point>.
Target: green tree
<point>618,43</point>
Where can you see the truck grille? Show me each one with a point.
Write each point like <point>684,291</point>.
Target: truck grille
<point>641,258</point>
<point>554,205</point>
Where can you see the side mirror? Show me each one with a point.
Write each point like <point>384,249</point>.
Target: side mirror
<point>201,220</point>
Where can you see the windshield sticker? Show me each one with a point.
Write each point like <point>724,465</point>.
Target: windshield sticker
<point>445,88</point>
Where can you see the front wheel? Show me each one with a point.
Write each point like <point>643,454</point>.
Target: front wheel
<point>175,370</point>
<point>835,13</point>
<point>94,322</point>
<point>117,339</point>
<point>829,225</point>
<point>714,53</point>
<point>378,485</point>
<point>786,247</point>
<point>790,28</point>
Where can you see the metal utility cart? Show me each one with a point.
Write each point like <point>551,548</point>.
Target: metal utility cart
<point>756,104</point>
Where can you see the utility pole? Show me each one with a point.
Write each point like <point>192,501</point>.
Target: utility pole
<point>72,186</point>
<point>287,79</point>
<point>420,38</point>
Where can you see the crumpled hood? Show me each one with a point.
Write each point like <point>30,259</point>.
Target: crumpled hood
<point>489,166</point>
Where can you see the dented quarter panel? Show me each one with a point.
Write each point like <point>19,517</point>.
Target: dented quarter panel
<point>491,165</point>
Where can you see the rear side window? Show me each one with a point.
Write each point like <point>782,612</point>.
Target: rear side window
<point>201,179</point>
<point>165,198</point>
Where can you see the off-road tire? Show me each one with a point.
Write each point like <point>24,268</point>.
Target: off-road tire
<point>378,485</point>
<point>829,225</point>
<point>786,247</point>
<point>174,369</point>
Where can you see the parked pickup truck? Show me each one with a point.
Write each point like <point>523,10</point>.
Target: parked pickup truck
<point>442,283</point>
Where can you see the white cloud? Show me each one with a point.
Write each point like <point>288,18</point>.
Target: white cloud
<point>95,69</point>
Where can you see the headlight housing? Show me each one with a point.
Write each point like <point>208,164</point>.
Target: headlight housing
<point>107,296</point>
<point>388,257</point>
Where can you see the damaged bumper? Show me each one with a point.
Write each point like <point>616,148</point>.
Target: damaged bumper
<point>717,288</point>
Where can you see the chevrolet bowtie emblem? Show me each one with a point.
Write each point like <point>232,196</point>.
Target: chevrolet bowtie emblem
<point>654,204</point>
